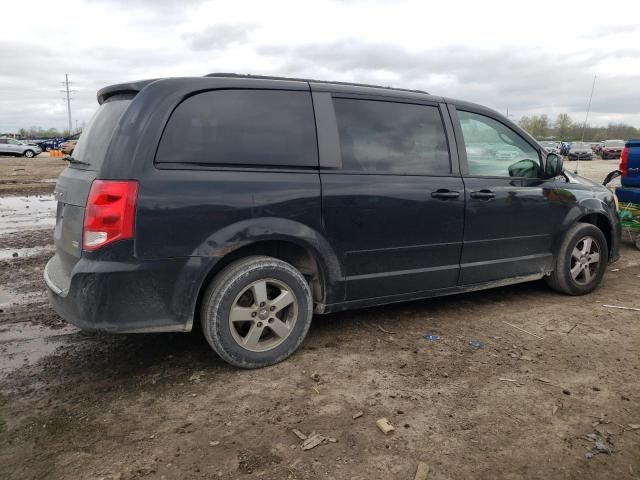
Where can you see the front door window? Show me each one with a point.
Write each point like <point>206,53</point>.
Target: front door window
<point>494,150</point>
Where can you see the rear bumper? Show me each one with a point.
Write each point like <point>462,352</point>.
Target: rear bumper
<point>127,297</point>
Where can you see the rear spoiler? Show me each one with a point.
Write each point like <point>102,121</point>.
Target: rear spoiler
<point>120,88</point>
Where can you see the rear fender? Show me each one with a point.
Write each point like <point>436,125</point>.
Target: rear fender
<point>247,232</point>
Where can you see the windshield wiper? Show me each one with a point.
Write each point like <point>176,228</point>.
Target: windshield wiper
<point>75,161</point>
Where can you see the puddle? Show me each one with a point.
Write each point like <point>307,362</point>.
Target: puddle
<point>27,213</point>
<point>23,344</point>
<point>11,253</point>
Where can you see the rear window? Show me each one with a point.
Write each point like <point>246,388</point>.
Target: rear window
<point>96,135</point>
<point>242,127</point>
<point>614,143</point>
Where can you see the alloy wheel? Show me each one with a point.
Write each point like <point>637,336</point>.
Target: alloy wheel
<point>263,315</point>
<point>585,259</point>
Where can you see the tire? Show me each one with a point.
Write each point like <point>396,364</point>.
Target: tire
<point>260,335</point>
<point>575,272</point>
<point>29,153</point>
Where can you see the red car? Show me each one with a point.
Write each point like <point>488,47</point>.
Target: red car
<point>612,149</point>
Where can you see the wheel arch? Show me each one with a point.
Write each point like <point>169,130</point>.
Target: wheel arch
<point>600,220</point>
<point>289,241</point>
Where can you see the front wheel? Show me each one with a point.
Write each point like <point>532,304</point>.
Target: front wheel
<point>256,312</point>
<point>581,261</point>
<point>29,154</point>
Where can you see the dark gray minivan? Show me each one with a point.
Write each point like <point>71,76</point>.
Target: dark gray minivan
<point>247,204</point>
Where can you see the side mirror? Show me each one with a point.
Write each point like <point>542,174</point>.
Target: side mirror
<point>553,165</point>
<point>525,169</point>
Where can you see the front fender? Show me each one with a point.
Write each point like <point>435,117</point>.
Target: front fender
<point>601,205</point>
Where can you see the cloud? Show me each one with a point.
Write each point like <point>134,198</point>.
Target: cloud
<point>490,55</point>
<point>520,80</point>
<point>219,36</point>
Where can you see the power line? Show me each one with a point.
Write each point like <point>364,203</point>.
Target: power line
<point>584,125</point>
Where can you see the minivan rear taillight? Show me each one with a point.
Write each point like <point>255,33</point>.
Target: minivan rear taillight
<point>110,213</point>
<point>624,161</point>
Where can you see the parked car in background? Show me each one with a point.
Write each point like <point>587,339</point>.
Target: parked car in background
<point>50,144</point>
<point>551,147</point>
<point>243,205</point>
<point>598,150</point>
<point>612,149</point>
<point>11,146</point>
<point>69,144</point>
<point>580,151</point>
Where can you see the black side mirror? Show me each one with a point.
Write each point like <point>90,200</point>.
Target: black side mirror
<point>553,165</point>
<point>525,169</point>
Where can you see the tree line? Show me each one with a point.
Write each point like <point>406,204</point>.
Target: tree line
<point>39,132</point>
<point>564,128</point>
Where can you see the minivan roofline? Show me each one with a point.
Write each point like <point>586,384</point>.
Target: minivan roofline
<point>136,86</point>
<point>310,80</point>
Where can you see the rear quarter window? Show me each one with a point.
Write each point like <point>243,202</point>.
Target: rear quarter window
<point>242,127</point>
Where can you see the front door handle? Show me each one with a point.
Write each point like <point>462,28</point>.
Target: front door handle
<point>483,194</point>
<point>443,193</point>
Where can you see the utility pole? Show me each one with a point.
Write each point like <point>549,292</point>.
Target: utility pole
<point>68,92</point>
<point>584,125</point>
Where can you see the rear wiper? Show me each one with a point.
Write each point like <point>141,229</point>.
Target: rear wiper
<point>75,161</point>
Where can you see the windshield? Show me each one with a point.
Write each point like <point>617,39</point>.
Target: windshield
<point>614,143</point>
<point>579,146</point>
<point>96,136</point>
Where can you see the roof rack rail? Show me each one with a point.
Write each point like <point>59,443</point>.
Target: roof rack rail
<point>270,77</point>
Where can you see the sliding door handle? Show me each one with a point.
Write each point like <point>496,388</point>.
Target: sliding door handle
<point>483,194</point>
<point>443,193</point>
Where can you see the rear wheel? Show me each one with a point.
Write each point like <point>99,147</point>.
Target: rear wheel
<point>581,261</point>
<point>256,312</point>
<point>29,154</point>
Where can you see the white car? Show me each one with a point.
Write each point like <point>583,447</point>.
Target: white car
<point>551,147</point>
<point>11,146</point>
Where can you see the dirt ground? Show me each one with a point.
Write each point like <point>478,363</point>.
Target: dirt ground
<point>551,375</point>
<point>22,176</point>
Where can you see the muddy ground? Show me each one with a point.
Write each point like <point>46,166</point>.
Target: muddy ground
<point>550,371</point>
<point>21,176</point>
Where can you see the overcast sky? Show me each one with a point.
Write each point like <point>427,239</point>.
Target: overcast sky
<point>527,57</point>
